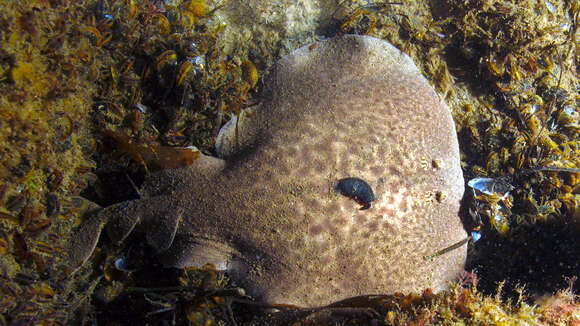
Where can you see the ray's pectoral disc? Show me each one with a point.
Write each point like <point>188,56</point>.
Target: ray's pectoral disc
<point>266,211</point>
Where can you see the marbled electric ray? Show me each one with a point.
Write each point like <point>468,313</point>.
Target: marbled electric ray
<point>269,211</point>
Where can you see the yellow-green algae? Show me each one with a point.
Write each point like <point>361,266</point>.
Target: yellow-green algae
<point>69,71</point>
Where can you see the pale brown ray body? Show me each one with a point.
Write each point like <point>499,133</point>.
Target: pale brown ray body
<point>352,106</point>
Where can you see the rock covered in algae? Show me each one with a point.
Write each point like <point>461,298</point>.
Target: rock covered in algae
<point>269,213</point>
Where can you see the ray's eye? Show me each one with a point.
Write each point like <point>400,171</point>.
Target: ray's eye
<point>357,189</point>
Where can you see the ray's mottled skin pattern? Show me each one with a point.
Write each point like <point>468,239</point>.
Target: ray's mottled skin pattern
<point>352,106</point>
